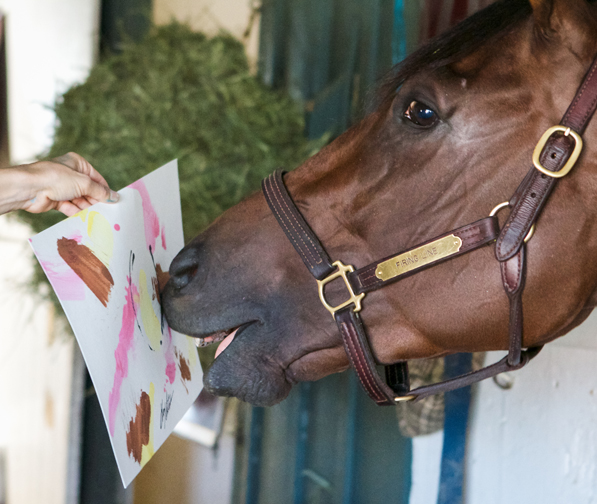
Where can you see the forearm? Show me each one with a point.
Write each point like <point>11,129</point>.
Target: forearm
<point>17,188</point>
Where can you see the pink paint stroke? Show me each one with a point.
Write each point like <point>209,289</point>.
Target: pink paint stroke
<point>77,236</point>
<point>164,237</point>
<point>169,354</point>
<point>150,218</point>
<point>125,343</point>
<point>66,283</point>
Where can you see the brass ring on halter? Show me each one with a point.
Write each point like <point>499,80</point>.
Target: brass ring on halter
<point>505,204</point>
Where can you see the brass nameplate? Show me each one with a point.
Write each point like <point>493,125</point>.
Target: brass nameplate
<point>419,257</point>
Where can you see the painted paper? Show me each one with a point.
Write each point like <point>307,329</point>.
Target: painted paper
<point>106,264</point>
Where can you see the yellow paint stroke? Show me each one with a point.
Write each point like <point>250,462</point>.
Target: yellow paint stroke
<point>192,351</point>
<point>151,324</point>
<point>82,214</point>
<point>101,235</point>
<point>147,450</point>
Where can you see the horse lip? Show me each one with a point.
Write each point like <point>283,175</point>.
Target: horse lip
<point>218,336</point>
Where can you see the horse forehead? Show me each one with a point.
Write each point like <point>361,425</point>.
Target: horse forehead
<point>490,68</point>
<point>501,60</point>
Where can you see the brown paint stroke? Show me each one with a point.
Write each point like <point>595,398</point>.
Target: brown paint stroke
<point>138,432</point>
<point>163,277</point>
<point>183,365</point>
<point>88,268</point>
<point>159,282</point>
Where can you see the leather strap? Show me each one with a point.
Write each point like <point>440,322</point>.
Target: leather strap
<point>358,349</point>
<point>532,194</point>
<point>295,226</point>
<point>465,380</point>
<point>513,278</point>
<point>473,236</point>
<point>361,358</point>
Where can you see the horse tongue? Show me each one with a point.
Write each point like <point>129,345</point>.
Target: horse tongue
<point>227,340</point>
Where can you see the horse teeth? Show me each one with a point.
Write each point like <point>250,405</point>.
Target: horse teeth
<point>214,338</point>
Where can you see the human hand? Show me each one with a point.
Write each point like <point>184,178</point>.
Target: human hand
<point>67,183</point>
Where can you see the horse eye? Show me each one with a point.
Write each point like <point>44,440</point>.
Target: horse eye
<point>420,114</point>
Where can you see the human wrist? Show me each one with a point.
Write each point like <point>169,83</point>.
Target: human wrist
<point>18,187</point>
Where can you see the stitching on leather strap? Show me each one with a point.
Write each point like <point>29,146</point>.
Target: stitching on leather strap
<point>291,216</point>
<point>579,95</point>
<point>289,232</point>
<point>587,113</point>
<point>315,255</point>
<point>473,230</point>
<point>296,233</point>
<point>365,280</point>
<point>363,371</point>
<point>515,340</point>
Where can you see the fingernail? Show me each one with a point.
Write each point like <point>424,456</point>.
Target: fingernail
<point>114,197</point>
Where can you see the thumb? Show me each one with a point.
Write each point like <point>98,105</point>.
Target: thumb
<point>100,192</point>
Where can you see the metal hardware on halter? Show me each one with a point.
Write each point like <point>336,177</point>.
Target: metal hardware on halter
<point>340,273</point>
<point>419,257</point>
<point>497,208</point>
<point>573,157</point>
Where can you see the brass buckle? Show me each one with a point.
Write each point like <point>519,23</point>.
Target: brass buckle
<point>342,270</point>
<point>573,158</point>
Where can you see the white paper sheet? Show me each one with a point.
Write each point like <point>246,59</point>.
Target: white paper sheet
<point>104,265</point>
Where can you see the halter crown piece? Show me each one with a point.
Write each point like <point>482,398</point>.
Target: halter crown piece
<point>554,156</point>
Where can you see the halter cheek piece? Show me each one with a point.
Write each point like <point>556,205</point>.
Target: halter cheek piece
<point>554,156</point>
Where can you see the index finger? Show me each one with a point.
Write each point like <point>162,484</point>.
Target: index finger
<point>79,163</point>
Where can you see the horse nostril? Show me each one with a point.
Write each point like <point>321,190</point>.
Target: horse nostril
<point>182,270</point>
<point>183,277</point>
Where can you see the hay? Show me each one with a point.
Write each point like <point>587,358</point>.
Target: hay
<point>179,94</point>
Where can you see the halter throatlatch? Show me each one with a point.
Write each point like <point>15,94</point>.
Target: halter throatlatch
<point>554,157</point>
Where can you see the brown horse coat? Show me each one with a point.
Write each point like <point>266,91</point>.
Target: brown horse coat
<point>451,137</point>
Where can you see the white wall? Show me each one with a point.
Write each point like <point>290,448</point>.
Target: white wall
<point>533,443</point>
<point>211,16</point>
<point>36,363</point>
<point>50,46</point>
<point>537,442</point>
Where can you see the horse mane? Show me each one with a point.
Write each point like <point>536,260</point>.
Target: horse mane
<point>455,44</point>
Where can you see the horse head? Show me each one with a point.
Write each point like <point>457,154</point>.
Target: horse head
<point>451,136</point>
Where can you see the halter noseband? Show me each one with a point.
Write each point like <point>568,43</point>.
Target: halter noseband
<point>554,156</point>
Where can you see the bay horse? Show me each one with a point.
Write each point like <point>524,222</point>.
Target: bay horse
<point>451,136</point>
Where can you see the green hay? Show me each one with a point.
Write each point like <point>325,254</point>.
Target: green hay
<point>179,94</point>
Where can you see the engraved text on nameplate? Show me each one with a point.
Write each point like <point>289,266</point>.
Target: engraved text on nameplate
<point>419,257</point>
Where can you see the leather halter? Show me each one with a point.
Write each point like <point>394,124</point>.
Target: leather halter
<point>554,156</point>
